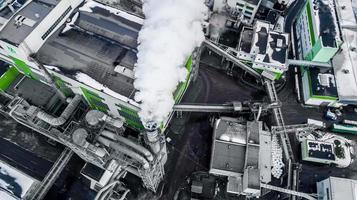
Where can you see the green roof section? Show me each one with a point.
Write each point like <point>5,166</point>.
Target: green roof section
<point>311,23</point>
<point>8,78</point>
<point>342,128</point>
<point>23,67</point>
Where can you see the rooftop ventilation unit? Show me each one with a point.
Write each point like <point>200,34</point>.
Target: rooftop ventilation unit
<point>20,20</point>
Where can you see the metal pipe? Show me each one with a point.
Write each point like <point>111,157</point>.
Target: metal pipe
<point>231,58</point>
<point>48,76</point>
<point>105,188</point>
<point>57,121</point>
<point>133,171</point>
<point>223,108</point>
<point>152,135</point>
<point>129,143</point>
<point>124,195</point>
<point>125,151</point>
<point>352,27</point>
<point>309,63</point>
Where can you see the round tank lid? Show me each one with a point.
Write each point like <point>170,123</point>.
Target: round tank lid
<point>93,117</point>
<point>79,136</point>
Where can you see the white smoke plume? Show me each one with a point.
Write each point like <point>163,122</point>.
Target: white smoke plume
<point>171,31</point>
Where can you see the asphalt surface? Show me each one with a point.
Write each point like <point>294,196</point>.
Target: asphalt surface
<point>191,135</point>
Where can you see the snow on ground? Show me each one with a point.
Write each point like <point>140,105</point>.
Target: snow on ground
<point>89,5</point>
<point>14,181</point>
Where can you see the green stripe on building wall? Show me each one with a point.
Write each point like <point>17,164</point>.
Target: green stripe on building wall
<point>94,100</point>
<point>181,88</point>
<point>344,128</point>
<point>311,23</point>
<point>189,65</point>
<point>131,116</point>
<point>23,67</point>
<point>8,78</point>
<point>64,86</point>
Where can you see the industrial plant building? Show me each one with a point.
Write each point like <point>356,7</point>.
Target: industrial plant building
<point>245,9</point>
<point>334,188</point>
<point>265,48</point>
<point>242,153</point>
<point>317,151</point>
<point>99,67</point>
<point>323,34</point>
<point>67,73</point>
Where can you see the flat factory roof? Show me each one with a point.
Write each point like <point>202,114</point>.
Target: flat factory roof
<point>270,47</point>
<point>345,61</point>
<point>326,21</point>
<point>98,48</point>
<point>245,42</point>
<point>232,3</point>
<point>342,188</point>
<point>323,82</point>
<point>26,20</point>
<point>320,150</point>
<point>230,151</point>
<point>15,181</point>
<point>228,157</point>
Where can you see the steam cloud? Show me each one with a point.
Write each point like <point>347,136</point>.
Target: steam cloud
<point>171,31</point>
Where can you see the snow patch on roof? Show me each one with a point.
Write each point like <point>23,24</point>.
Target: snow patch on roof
<point>70,25</point>
<point>345,62</point>
<point>17,178</point>
<point>6,196</point>
<point>87,80</point>
<point>89,5</point>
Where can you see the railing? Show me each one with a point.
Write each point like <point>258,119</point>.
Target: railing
<point>287,191</point>
<point>227,54</point>
<point>53,174</point>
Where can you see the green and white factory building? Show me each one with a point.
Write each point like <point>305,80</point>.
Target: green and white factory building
<point>88,48</point>
<point>321,35</point>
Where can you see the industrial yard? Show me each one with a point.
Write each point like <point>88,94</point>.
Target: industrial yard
<point>179,100</point>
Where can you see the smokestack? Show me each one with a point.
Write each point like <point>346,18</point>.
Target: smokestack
<point>152,136</point>
<point>172,30</point>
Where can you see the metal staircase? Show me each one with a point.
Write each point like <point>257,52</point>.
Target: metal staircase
<point>229,54</point>
<point>152,178</point>
<point>273,97</point>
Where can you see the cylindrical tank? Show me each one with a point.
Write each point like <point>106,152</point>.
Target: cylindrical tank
<point>152,135</point>
<point>94,117</point>
<point>79,136</point>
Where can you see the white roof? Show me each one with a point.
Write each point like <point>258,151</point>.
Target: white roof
<point>345,62</point>
<point>343,189</point>
<point>6,196</point>
<point>21,179</point>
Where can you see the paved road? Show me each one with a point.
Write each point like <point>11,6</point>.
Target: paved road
<point>191,136</point>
